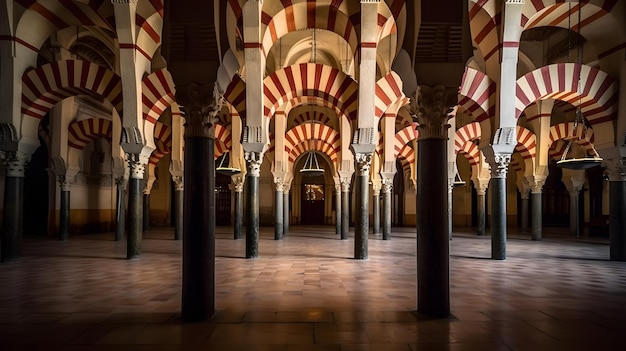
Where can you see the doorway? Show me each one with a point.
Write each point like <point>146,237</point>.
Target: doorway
<point>313,200</point>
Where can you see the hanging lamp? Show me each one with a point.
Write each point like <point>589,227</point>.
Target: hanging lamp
<point>458,181</point>
<point>224,166</point>
<point>311,167</point>
<point>577,162</point>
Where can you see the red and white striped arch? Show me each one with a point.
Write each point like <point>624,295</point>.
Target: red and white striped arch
<point>598,93</point>
<point>516,165</point>
<point>313,145</point>
<point>484,23</point>
<point>235,94</point>
<point>312,116</point>
<point>404,137</point>
<point>466,133</point>
<point>158,94</point>
<point>477,94</point>
<point>310,100</point>
<point>566,132</point>
<point>407,160</point>
<point>45,86</point>
<point>315,132</point>
<point>526,143</point>
<point>470,151</point>
<point>551,13</point>
<point>223,140</point>
<point>43,18</point>
<point>309,79</point>
<point>163,142</point>
<point>81,133</point>
<point>389,95</point>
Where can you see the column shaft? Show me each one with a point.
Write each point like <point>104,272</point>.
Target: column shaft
<point>12,218</point>
<point>286,213</point>
<point>481,215</point>
<point>146,212</point>
<point>433,286</point>
<point>362,220</point>
<point>179,198</point>
<point>198,284</point>
<point>536,225</point>
<point>338,212</point>
<point>617,220</point>
<point>120,211</point>
<point>252,215</point>
<point>238,225</point>
<point>387,215</point>
<point>376,216</point>
<point>278,228</point>
<point>574,221</point>
<point>449,210</point>
<point>135,220</point>
<point>345,214</point>
<point>64,216</point>
<point>498,218</point>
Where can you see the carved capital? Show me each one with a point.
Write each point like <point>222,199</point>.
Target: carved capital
<point>431,110</point>
<point>64,183</point>
<point>15,162</point>
<point>616,169</point>
<point>363,163</point>
<point>238,182</point>
<point>387,185</point>
<point>202,109</point>
<point>137,165</point>
<point>499,164</point>
<point>179,184</point>
<point>253,162</point>
<point>279,184</point>
<point>345,184</point>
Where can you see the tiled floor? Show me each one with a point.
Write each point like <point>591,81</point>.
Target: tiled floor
<point>307,293</point>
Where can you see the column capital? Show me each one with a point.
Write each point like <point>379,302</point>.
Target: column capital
<point>253,161</point>
<point>179,183</point>
<point>536,183</point>
<point>616,169</point>
<point>279,184</point>
<point>121,180</point>
<point>387,185</point>
<point>363,163</point>
<point>345,184</point>
<point>14,162</point>
<point>499,164</point>
<point>201,110</point>
<point>430,108</point>
<point>64,182</point>
<point>137,165</point>
<point>238,183</point>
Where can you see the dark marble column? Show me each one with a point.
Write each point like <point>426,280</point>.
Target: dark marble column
<point>286,210</point>
<point>450,188</point>
<point>198,270</point>
<point>338,208</point>
<point>146,210</point>
<point>617,219</point>
<point>253,161</point>
<point>238,222</point>
<point>536,218</point>
<point>179,201</point>
<point>387,192</point>
<point>481,211</point>
<point>499,167</point>
<point>13,207</point>
<point>574,220</point>
<point>376,210</point>
<point>345,208</point>
<point>525,194</point>
<point>361,227</point>
<point>433,241</point>
<point>64,210</point>
<point>135,205</point>
<point>278,210</point>
<point>120,208</point>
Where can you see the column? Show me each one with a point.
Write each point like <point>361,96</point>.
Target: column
<point>64,213</point>
<point>574,219</point>
<point>387,192</point>
<point>286,209</point>
<point>179,200</point>
<point>253,162</point>
<point>376,210</point>
<point>481,208</point>
<point>361,228</point>
<point>433,267</point>
<point>146,210</point>
<point>617,208</point>
<point>345,208</point>
<point>278,209</point>
<point>450,188</point>
<point>338,208</point>
<point>536,220</point>
<point>120,208</point>
<point>238,222</point>
<point>15,163</point>
<point>525,194</point>
<point>137,166</point>
<point>499,165</point>
<point>198,271</point>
